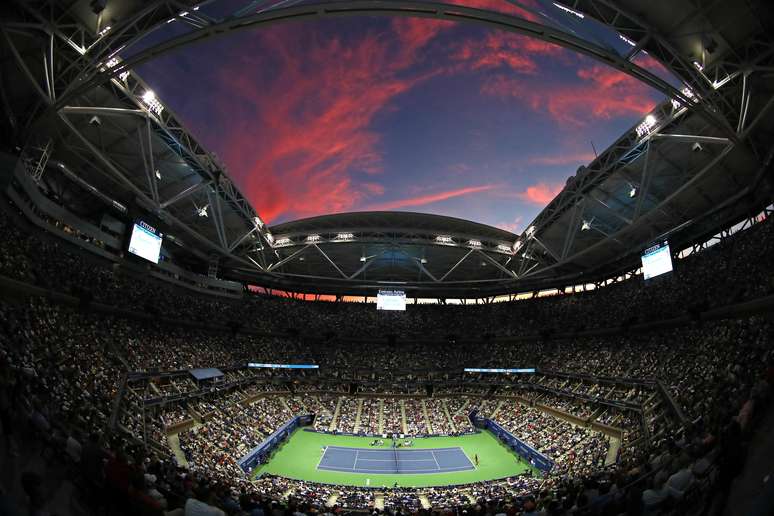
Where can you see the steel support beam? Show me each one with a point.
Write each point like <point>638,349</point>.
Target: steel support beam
<point>217,217</point>
<point>420,266</point>
<point>547,249</point>
<point>497,264</point>
<point>456,265</point>
<point>184,193</point>
<point>111,168</point>
<point>106,111</point>
<point>146,151</point>
<point>287,259</point>
<point>572,231</point>
<point>690,138</point>
<point>608,209</point>
<point>241,239</point>
<point>24,68</point>
<point>328,258</point>
<point>366,265</point>
<point>644,184</point>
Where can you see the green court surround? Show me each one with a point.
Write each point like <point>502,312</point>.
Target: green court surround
<point>298,457</point>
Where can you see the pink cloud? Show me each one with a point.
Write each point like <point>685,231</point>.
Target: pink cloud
<point>604,94</point>
<point>541,193</point>
<point>514,226</point>
<point>430,198</point>
<point>501,6</point>
<point>373,188</point>
<point>318,113</point>
<point>498,49</point>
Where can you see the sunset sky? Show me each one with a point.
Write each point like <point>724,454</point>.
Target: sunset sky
<point>361,113</point>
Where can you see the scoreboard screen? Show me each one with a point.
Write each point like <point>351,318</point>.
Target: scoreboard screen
<point>391,300</point>
<point>656,260</point>
<point>145,241</point>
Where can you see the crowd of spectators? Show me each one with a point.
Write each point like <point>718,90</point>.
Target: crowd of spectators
<point>416,422</point>
<point>61,370</point>
<point>393,416</point>
<point>439,420</point>
<point>370,416</point>
<point>723,357</point>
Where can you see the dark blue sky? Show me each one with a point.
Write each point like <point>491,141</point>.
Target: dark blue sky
<point>355,114</point>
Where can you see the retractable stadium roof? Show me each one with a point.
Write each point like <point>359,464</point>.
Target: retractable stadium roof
<point>697,163</point>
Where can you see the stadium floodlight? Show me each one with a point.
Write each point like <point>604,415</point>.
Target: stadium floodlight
<point>362,258</point>
<point>203,210</point>
<point>183,13</point>
<point>105,30</point>
<point>474,243</point>
<point>113,61</point>
<point>150,100</point>
<point>647,125</point>
<point>423,260</point>
<point>158,174</point>
<point>504,248</point>
<point>586,225</point>
<point>688,92</point>
<point>444,239</point>
<point>676,104</point>
<point>196,8</point>
<point>282,241</point>
<point>570,11</point>
<point>718,83</point>
<point>530,231</point>
<point>632,192</point>
<point>345,236</point>
<point>313,238</point>
<point>257,221</point>
<point>517,245</point>
<point>269,237</point>
<point>627,40</point>
<point>698,66</point>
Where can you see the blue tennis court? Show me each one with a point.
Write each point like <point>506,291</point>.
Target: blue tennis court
<point>392,461</point>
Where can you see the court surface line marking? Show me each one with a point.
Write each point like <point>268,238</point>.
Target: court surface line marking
<point>325,451</point>
<point>470,461</point>
<point>436,462</point>
<point>356,469</point>
<point>392,460</point>
<point>387,472</point>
